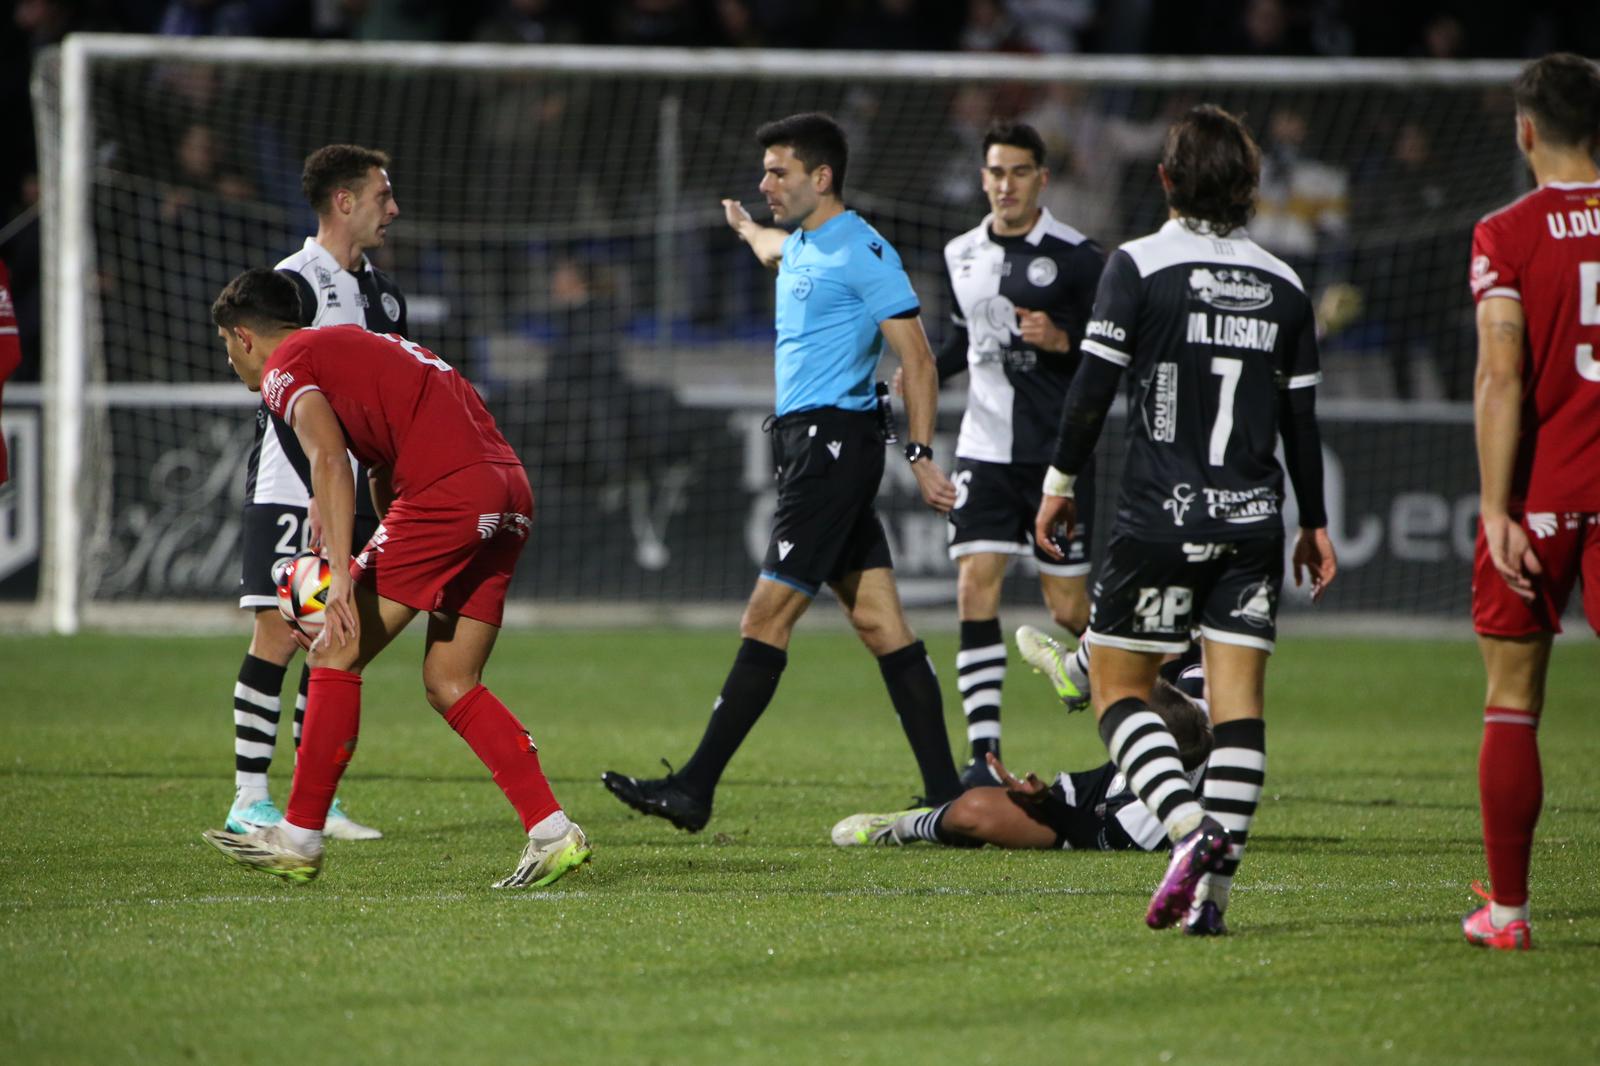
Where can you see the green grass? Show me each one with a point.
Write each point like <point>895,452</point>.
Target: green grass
<point>124,938</point>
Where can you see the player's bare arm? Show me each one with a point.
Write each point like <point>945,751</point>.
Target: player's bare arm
<point>920,383</point>
<point>1314,561</point>
<point>322,438</point>
<point>765,241</point>
<point>1497,411</point>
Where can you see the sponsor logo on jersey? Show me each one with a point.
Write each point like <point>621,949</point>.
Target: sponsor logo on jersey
<point>1482,276</point>
<point>801,288</point>
<point>1255,606</point>
<point>391,306</point>
<point>1101,327</point>
<point>1230,290</point>
<point>1179,502</point>
<point>1564,224</point>
<point>991,325</point>
<point>7,310</point>
<point>1241,506</point>
<point>1164,415</point>
<point>273,387</point>
<point>1042,271</point>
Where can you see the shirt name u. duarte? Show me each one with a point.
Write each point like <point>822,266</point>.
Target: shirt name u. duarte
<point>1582,223</point>
<point>1232,331</point>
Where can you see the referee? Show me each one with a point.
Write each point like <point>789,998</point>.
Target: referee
<point>1219,343</point>
<point>841,292</point>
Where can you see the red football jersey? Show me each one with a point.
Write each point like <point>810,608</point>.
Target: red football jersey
<point>10,351</point>
<point>1545,251</point>
<point>401,406</point>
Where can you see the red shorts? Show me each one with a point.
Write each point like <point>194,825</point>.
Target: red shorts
<point>452,546</point>
<point>1568,547</point>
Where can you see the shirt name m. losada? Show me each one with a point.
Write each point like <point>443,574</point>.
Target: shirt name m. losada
<point>1232,331</point>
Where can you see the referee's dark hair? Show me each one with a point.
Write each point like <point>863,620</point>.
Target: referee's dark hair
<point>1561,93</point>
<point>1213,167</point>
<point>337,166</point>
<point>259,299</point>
<point>1185,721</point>
<point>816,139</point>
<point>1015,135</point>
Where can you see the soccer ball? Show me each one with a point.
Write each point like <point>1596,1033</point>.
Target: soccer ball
<point>303,590</point>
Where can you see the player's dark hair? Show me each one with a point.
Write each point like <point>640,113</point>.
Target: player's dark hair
<point>1015,135</point>
<point>1561,93</point>
<point>259,299</point>
<point>815,139</point>
<point>337,166</point>
<point>1185,721</point>
<point>1214,167</point>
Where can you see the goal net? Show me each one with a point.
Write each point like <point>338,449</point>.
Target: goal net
<point>561,242</point>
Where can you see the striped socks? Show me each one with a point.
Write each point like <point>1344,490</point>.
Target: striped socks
<point>1143,749</point>
<point>1232,790</point>
<point>255,725</point>
<point>981,672</point>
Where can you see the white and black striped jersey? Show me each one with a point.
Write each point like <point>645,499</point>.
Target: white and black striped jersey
<point>329,295</point>
<point>1015,391</point>
<point>1209,330</point>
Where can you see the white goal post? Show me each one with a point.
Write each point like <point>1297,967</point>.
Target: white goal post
<point>661,133</point>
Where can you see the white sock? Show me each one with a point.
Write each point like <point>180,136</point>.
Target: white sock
<point>1078,667</point>
<point>551,826</point>
<point>305,841</point>
<point>252,792</point>
<point>1502,915</point>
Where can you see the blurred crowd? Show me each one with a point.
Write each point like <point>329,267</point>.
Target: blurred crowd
<point>209,171</point>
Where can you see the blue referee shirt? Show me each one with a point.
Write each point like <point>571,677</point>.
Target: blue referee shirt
<point>835,284</point>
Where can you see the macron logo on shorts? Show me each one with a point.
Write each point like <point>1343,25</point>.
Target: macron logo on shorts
<point>784,548</point>
<point>835,447</point>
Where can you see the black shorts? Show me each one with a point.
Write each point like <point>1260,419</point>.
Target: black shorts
<point>272,532</point>
<point>996,504</point>
<point>1078,809</point>
<point>1151,595</point>
<point>829,465</point>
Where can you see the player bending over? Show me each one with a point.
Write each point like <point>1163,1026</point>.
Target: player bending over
<point>456,509</point>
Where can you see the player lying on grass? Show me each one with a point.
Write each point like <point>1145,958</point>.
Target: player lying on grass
<point>456,509</point>
<point>1087,810</point>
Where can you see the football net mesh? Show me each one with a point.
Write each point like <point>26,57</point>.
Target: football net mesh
<point>561,243</point>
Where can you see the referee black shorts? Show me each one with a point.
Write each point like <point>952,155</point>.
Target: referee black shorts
<point>829,464</point>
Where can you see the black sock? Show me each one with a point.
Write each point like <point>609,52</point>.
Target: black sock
<point>745,694</point>
<point>981,671</point>
<point>914,690</point>
<point>255,720</point>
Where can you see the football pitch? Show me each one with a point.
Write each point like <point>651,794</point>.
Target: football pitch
<point>123,938</point>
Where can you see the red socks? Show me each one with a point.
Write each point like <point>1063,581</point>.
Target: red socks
<point>496,737</point>
<point>1511,791</point>
<point>327,741</point>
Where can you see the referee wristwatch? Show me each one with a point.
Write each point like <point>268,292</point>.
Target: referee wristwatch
<point>916,451</point>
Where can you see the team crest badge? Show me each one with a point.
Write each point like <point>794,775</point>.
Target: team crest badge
<point>391,306</point>
<point>324,279</point>
<point>1042,271</point>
